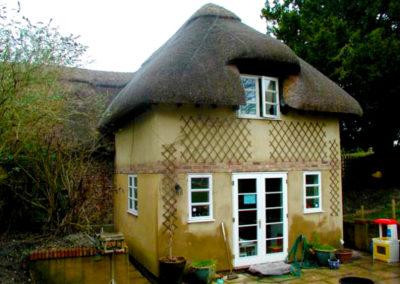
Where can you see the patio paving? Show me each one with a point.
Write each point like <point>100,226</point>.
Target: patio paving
<point>363,266</point>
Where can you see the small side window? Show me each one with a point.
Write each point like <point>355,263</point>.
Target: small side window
<point>200,193</point>
<point>132,194</point>
<point>312,192</point>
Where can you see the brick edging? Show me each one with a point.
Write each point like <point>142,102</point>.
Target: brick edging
<point>54,253</point>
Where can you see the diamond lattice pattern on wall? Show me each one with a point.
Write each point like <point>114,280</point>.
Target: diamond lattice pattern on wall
<point>334,178</point>
<point>212,139</point>
<point>293,141</point>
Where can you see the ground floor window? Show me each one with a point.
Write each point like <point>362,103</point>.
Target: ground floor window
<point>132,194</point>
<point>200,191</point>
<point>312,192</point>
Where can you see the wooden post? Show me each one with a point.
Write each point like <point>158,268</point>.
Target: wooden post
<point>393,209</point>
<point>362,211</point>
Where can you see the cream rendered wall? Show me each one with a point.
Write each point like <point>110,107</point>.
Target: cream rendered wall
<point>141,142</point>
<point>192,238</point>
<point>137,144</point>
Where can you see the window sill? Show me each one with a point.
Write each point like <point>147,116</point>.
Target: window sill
<point>259,118</point>
<point>201,221</point>
<point>132,213</point>
<point>314,211</point>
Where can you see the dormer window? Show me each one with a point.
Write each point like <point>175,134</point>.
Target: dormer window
<point>262,97</point>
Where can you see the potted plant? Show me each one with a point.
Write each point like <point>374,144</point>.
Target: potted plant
<point>323,252</point>
<point>343,254</point>
<point>202,271</point>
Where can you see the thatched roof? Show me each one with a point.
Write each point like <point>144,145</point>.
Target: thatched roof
<point>106,83</point>
<point>201,63</point>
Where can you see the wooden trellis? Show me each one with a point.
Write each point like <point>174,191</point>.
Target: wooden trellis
<point>334,173</point>
<point>169,196</point>
<point>297,141</point>
<point>211,139</point>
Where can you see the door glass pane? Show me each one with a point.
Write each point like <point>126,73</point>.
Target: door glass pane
<point>273,184</point>
<point>248,217</point>
<point>200,196</point>
<point>199,183</point>
<point>274,231</point>
<point>247,249</point>
<point>273,215</point>
<point>248,233</point>
<point>247,185</point>
<point>247,201</point>
<point>312,190</point>
<point>312,203</point>
<point>275,246</point>
<point>273,200</point>
<point>200,211</point>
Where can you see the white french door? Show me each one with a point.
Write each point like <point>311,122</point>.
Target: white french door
<point>260,231</point>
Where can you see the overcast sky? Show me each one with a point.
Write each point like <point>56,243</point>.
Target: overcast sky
<point>122,34</point>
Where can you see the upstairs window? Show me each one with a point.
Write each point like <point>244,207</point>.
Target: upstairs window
<point>262,97</point>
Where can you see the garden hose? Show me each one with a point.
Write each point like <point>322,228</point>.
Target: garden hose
<point>305,260</point>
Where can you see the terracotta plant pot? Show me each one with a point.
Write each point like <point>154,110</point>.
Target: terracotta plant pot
<point>344,255</point>
<point>171,269</point>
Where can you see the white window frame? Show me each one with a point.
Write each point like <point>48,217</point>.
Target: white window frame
<point>260,93</point>
<point>319,196</point>
<point>134,187</point>
<point>195,219</point>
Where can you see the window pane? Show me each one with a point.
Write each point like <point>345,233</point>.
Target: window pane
<point>130,204</point>
<point>273,215</point>
<point>248,249</point>
<point>248,233</point>
<point>270,109</point>
<point>135,191</point>
<point>274,246</point>
<point>270,85</point>
<point>273,184</point>
<point>248,217</point>
<point>248,109</point>
<point>136,205</point>
<point>251,96</point>
<point>130,192</point>
<point>270,97</point>
<point>249,83</point>
<point>247,201</point>
<point>199,183</point>
<point>247,185</point>
<point>273,200</point>
<point>135,181</point>
<point>200,197</point>
<point>274,231</point>
<point>129,181</point>
<point>312,179</point>
<point>201,211</point>
<point>312,191</point>
<point>312,203</point>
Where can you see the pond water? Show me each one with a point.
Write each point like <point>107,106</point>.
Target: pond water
<point>88,270</point>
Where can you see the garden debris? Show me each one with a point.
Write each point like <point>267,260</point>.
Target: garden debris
<point>272,268</point>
